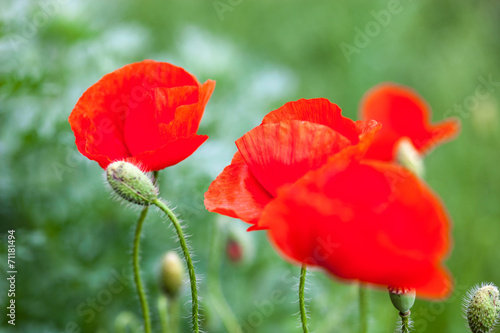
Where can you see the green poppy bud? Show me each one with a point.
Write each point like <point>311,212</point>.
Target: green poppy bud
<point>172,274</point>
<point>130,183</point>
<point>482,307</point>
<point>402,298</point>
<point>409,157</point>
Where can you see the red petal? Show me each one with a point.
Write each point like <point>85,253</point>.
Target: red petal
<point>169,154</point>
<point>236,193</point>
<point>280,153</point>
<point>188,115</point>
<point>373,222</point>
<point>99,117</point>
<point>403,113</point>
<point>317,110</point>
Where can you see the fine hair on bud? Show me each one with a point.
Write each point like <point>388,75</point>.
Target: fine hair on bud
<point>130,183</point>
<point>481,308</point>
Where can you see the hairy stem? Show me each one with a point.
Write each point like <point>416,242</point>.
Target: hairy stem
<point>189,262</point>
<point>302,284</point>
<point>137,273</point>
<point>135,263</point>
<point>405,322</point>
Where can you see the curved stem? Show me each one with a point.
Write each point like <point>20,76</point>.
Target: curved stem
<point>189,262</point>
<point>363,309</point>
<point>302,284</point>
<point>405,322</point>
<point>135,264</point>
<point>137,274</point>
<point>213,280</point>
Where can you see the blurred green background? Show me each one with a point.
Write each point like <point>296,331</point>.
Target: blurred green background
<point>73,240</point>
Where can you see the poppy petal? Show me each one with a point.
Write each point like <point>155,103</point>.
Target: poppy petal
<point>280,153</point>
<point>117,117</point>
<point>188,115</point>
<point>318,111</point>
<point>236,193</point>
<point>371,222</point>
<point>167,155</point>
<point>403,113</point>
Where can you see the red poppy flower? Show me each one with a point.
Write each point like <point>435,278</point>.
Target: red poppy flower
<point>402,113</point>
<point>301,176</point>
<point>146,113</point>
<point>292,140</point>
<point>370,221</point>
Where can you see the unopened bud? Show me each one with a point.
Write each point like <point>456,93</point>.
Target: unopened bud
<point>172,274</point>
<point>481,308</point>
<point>130,183</point>
<point>402,298</point>
<point>234,250</point>
<point>409,157</point>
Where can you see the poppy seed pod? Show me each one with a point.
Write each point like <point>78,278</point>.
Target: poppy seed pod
<point>172,273</point>
<point>481,308</point>
<point>402,298</point>
<point>409,157</point>
<point>130,183</point>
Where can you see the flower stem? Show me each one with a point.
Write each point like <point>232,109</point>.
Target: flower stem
<point>162,305</point>
<point>363,309</point>
<point>213,280</point>
<point>189,262</point>
<point>405,322</point>
<point>135,264</point>
<point>137,273</point>
<point>302,284</point>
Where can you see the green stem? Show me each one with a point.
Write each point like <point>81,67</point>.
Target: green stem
<point>173,314</point>
<point>302,285</point>
<point>137,274</point>
<point>189,262</point>
<point>135,264</point>
<point>162,305</point>
<point>363,309</point>
<point>213,280</point>
<point>405,322</point>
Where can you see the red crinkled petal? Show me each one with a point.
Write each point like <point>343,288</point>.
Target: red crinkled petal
<point>280,153</point>
<point>169,154</point>
<point>236,193</point>
<point>316,110</point>
<point>373,222</point>
<point>115,118</point>
<point>187,116</point>
<point>403,113</point>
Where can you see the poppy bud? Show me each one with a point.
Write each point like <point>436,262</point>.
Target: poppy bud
<point>234,250</point>
<point>409,157</point>
<point>130,183</point>
<point>172,274</point>
<point>402,298</point>
<point>481,308</point>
